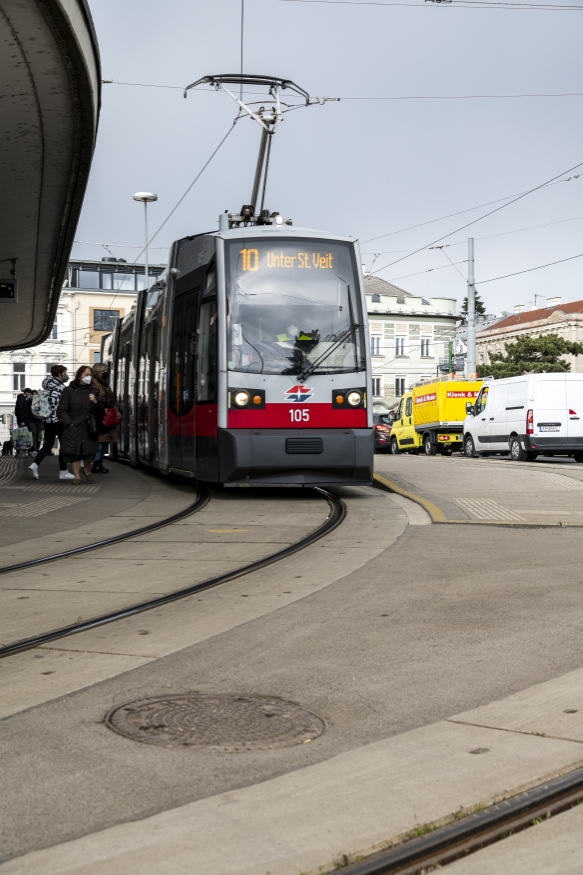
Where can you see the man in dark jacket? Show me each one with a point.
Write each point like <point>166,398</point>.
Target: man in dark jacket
<point>22,408</point>
<point>54,385</point>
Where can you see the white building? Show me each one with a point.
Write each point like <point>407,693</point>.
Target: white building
<point>409,337</point>
<point>95,294</point>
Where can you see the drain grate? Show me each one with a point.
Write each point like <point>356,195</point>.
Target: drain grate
<point>221,722</point>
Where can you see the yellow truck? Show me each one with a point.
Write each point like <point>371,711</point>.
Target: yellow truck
<point>430,418</point>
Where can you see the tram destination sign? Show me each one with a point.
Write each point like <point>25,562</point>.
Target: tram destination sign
<point>8,291</point>
<point>286,260</point>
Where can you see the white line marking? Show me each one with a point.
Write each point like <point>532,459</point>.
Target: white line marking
<point>486,509</point>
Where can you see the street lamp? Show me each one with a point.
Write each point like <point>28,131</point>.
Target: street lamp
<point>146,197</point>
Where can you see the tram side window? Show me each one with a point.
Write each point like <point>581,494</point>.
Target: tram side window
<point>207,353</point>
<point>176,361</point>
<point>190,347</point>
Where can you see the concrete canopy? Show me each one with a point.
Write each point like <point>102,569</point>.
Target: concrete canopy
<point>50,85</point>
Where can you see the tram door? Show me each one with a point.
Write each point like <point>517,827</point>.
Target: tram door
<point>182,406</point>
<point>147,396</point>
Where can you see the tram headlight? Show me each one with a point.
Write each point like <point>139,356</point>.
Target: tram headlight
<point>354,398</point>
<point>241,398</point>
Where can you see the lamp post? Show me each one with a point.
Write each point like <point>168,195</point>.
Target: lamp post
<point>146,197</point>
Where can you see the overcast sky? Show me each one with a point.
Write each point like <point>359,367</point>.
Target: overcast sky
<point>358,167</point>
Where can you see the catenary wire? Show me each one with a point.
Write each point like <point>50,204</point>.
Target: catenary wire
<point>394,97</point>
<point>452,4</point>
<point>465,242</point>
<point>459,213</point>
<point>529,270</point>
<point>479,219</point>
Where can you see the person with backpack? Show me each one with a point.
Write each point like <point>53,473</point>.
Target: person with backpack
<point>35,423</point>
<point>53,386</point>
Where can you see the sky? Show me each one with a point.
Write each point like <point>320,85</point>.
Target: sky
<point>363,168</point>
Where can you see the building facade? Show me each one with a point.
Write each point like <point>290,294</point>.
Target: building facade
<point>94,295</point>
<point>566,320</point>
<point>409,338</point>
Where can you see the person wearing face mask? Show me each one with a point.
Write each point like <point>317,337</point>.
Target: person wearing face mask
<point>79,410</point>
<point>54,384</point>
<point>105,395</point>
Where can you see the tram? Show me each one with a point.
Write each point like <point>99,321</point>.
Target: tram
<point>247,362</point>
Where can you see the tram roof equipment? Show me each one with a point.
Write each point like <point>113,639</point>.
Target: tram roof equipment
<point>269,119</point>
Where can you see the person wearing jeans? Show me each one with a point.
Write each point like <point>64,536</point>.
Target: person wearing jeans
<point>54,385</point>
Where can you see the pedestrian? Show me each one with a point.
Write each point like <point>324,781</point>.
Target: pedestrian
<point>22,407</point>
<point>35,425</point>
<point>22,412</point>
<point>104,394</point>
<point>78,410</point>
<point>54,385</point>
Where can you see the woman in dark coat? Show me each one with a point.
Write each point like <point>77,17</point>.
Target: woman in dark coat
<point>106,397</point>
<point>77,406</point>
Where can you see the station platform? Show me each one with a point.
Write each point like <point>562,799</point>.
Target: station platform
<point>412,647</point>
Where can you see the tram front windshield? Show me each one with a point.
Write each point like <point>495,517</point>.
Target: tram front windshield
<point>293,306</point>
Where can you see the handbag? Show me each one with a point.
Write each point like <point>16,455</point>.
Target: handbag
<point>91,424</point>
<point>111,418</point>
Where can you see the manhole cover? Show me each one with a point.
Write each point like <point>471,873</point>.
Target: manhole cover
<point>226,723</point>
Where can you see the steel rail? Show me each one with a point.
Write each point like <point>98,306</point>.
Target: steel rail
<point>475,831</point>
<point>201,501</point>
<point>336,515</point>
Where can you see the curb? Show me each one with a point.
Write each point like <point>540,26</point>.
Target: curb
<point>438,517</point>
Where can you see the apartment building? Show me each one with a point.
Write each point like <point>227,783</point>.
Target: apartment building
<point>409,337</point>
<point>95,294</point>
<point>565,320</point>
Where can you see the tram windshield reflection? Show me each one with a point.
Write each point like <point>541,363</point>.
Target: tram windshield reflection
<point>293,305</point>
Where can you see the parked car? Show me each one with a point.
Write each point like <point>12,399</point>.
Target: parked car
<point>382,432</point>
<point>527,416</point>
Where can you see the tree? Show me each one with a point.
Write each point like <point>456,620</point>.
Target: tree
<point>480,309</point>
<point>531,355</point>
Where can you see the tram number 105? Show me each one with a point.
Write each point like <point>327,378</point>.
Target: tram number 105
<point>297,415</point>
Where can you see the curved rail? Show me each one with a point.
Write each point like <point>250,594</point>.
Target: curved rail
<point>335,516</point>
<point>476,831</point>
<point>203,499</point>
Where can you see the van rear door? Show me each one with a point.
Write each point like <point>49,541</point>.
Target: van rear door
<point>575,408</point>
<point>550,423</point>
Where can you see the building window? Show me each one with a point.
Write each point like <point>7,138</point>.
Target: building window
<point>399,346</point>
<point>96,357</point>
<point>376,386</point>
<point>375,345</point>
<point>53,335</point>
<point>399,386</point>
<point>425,347</point>
<point>104,320</point>
<point>49,366</point>
<point>18,376</point>
<point>376,299</point>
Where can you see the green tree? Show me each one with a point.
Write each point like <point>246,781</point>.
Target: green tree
<point>531,355</point>
<point>480,309</point>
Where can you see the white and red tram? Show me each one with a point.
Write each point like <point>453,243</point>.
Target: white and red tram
<point>247,362</point>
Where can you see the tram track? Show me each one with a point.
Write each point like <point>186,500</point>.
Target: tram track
<point>336,515</point>
<point>473,832</point>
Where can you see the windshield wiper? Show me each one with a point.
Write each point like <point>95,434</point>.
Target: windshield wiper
<point>309,369</point>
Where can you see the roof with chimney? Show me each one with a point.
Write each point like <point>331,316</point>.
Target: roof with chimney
<point>539,315</point>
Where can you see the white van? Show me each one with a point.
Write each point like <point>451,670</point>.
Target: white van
<point>527,416</point>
